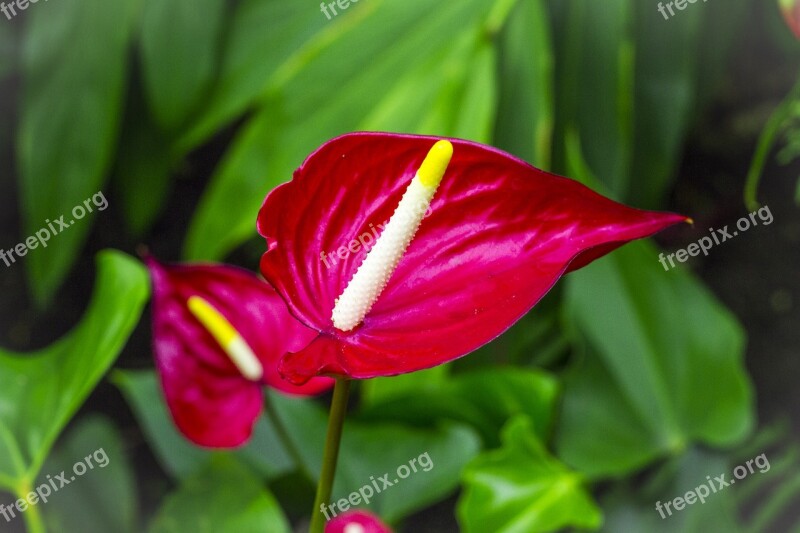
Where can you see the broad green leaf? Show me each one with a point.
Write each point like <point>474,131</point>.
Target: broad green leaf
<point>661,366</point>
<point>262,36</point>
<point>180,42</point>
<point>223,497</point>
<point>264,454</point>
<point>633,508</point>
<point>426,94</point>
<point>104,498</point>
<point>525,106</point>
<point>41,391</point>
<point>74,71</point>
<point>521,488</point>
<point>371,450</point>
<point>667,59</point>
<point>484,399</point>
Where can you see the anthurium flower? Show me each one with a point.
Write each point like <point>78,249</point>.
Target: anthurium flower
<point>356,522</point>
<point>218,333</point>
<point>405,252</point>
<point>791,12</point>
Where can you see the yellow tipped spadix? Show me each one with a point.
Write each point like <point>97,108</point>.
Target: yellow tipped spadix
<point>432,170</point>
<point>227,337</point>
<point>372,276</point>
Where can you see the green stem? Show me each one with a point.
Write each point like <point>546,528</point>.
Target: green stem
<point>335,423</point>
<point>765,142</point>
<point>33,518</point>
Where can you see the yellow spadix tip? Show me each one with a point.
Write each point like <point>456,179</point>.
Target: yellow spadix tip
<point>432,170</point>
<point>213,321</point>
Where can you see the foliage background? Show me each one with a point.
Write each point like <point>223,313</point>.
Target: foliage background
<point>626,385</point>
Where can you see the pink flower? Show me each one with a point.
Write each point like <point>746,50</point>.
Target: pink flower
<point>480,238</point>
<point>218,333</point>
<point>356,522</point>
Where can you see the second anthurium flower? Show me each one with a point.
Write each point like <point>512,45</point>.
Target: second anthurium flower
<point>405,252</point>
<point>218,334</point>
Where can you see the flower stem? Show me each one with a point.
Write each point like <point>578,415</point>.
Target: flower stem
<point>341,391</point>
<point>33,518</point>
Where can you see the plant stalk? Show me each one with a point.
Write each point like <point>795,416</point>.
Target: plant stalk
<point>341,391</point>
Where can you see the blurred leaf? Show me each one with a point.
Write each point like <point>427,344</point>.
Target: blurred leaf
<point>177,455</point>
<point>452,68</point>
<point>521,488</point>
<point>667,62</point>
<point>369,451</point>
<point>223,497</point>
<point>251,56</point>
<point>629,507</point>
<point>484,399</point>
<point>596,79</point>
<point>103,499</point>
<point>74,71</point>
<point>142,173</point>
<point>525,107</point>
<point>180,42</point>
<point>641,391</point>
<point>41,391</point>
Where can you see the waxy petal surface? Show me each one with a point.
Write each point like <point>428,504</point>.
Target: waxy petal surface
<point>499,234</point>
<point>211,403</point>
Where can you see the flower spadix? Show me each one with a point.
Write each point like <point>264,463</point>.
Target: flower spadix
<point>495,237</point>
<point>380,262</point>
<point>218,335</point>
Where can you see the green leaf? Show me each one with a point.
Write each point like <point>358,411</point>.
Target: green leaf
<point>596,79</point>
<point>525,106</point>
<point>521,488</point>
<point>661,366</point>
<point>143,171</point>
<point>484,399</point>
<point>180,42</point>
<point>41,391</point>
<point>74,70</point>
<point>427,95</point>
<point>223,497</point>
<point>368,451</point>
<point>631,507</point>
<point>256,46</point>
<point>104,498</point>
<point>264,454</point>
<point>667,59</point>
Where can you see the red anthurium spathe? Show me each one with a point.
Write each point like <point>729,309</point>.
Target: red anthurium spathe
<point>791,12</point>
<point>478,240</point>
<point>219,332</point>
<point>356,522</point>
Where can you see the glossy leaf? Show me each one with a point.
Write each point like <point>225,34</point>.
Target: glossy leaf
<point>222,497</point>
<point>521,488</point>
<point>640,391</point>
<point>264,454</point>
<point>41,391</point>
<point>104,498</point>
<point>371,450</point>
<point>299,113</point>
<point>484,399</point>
<point>74,71</point>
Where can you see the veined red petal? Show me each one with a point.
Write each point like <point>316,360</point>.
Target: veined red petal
<point>357,521</point>
<point>211,402</point>
<point>499,234</point>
